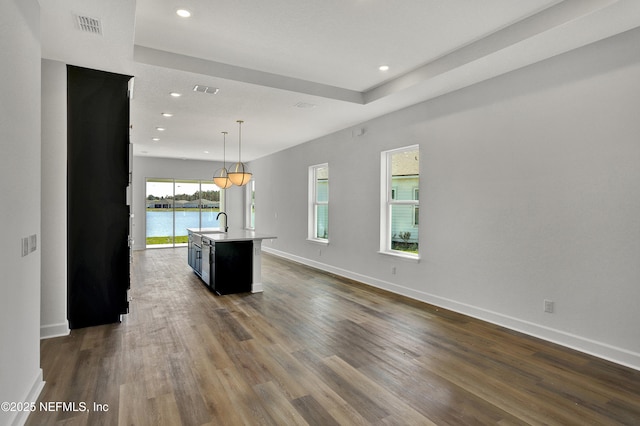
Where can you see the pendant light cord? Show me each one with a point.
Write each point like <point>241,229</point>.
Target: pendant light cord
<point>224,150</point>
<point>240,140</point>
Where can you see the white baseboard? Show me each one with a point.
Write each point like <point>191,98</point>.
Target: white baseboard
<point>54,330</point>
<point>601,350</point>
<point>20,417</point>
<point>256,288</point>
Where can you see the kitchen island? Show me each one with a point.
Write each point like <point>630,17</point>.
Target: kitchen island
<point>227,262</point>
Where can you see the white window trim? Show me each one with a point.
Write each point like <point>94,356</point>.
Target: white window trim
<point>312,210</point>
<point>386,202</point>
<point>247,204</point>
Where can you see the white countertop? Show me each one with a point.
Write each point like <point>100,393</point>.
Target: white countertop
<point>235,235</point>
<point>202,231</point>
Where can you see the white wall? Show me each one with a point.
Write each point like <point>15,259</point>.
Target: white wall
<point>20,373</point>
<point>529,191</point>
<point>148,167</point>
<point>53,314</point>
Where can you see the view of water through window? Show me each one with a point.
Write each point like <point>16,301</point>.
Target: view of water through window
<point>160,223</point>
<point>172,206</point>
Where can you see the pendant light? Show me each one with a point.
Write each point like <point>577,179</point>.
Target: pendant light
<point>221,176</point>
<point>239,173</point>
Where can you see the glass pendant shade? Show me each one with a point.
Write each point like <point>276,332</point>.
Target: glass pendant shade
<point>221,176</point>
<point>239,173</point>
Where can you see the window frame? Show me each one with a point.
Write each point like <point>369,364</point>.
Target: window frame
<point>388,199</point>
<point>250,205</point>
<point>314,203</point>
<point>416,208</point>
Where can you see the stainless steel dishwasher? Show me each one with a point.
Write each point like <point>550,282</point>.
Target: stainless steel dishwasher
<point>208,254</point>
<point>197,253</point>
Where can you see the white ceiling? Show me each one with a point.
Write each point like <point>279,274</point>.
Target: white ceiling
<point>268,57</point>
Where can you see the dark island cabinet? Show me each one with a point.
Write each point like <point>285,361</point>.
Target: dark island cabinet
<point>98,254</point>
<point>230,266</point>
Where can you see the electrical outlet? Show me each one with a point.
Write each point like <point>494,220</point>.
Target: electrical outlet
<point>548,306</point>
<point>393,270</point>
<point>319,252</point>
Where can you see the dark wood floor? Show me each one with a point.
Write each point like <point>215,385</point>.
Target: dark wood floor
<point>315,349</point>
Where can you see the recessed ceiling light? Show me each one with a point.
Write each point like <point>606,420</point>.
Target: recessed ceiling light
<point>175,94</point>
<point>160,129</point>
<point>206,152</point>
<point>183,13</point>
<point>155,139</point>
<point>167,114</point>
<point>383,67</point>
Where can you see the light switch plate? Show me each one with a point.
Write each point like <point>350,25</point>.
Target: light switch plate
<point>33,243</point>
<point>25,246</point>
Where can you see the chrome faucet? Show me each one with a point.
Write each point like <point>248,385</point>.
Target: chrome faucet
<point>226,220</point>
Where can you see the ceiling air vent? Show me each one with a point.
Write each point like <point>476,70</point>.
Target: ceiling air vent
<point>304,105</point>
<point>89,25</point>
<point>205,89</point>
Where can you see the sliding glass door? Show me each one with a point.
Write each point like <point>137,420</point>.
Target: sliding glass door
<point>159,214</point>
<point>210,204</point>
<point>186,209</point>
<point>175,205</point>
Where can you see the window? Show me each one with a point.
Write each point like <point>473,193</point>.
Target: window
<point>319,203</point>
<point>399,196</point>
<point>173,205</point>
<point>250,194</point>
